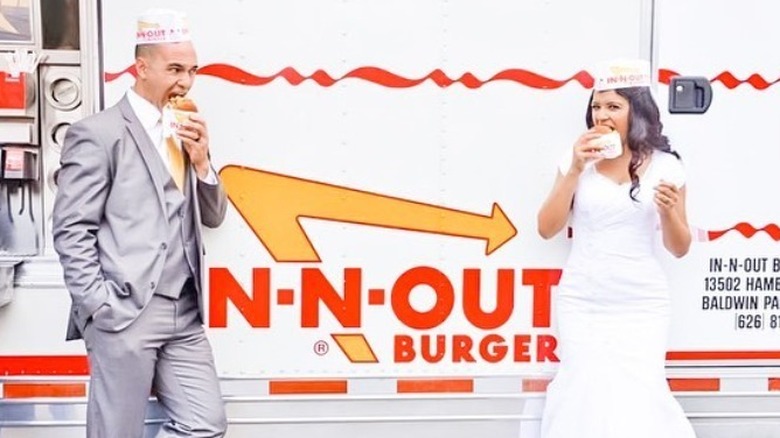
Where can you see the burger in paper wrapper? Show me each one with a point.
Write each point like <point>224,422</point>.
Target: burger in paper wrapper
<point>182,103</point>
<point>177,111</point>
<point>609,141</point>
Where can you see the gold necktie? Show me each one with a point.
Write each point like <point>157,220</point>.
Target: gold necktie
<point>175,162</point>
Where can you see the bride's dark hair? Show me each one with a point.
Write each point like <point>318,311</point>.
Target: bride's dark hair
<point>644,130</point>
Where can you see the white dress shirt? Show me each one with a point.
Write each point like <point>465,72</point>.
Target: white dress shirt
<point>151,119</point>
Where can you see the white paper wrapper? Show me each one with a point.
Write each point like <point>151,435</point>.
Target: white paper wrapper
<point>611,143</point>
<point>172,121</point>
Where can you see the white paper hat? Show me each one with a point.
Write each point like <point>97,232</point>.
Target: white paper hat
<point>157,26</point>
<point>622,73</point>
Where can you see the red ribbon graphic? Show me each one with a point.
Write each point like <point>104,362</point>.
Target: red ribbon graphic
<point>726,78</point>
<point>381,77</point>
<point>748,231</point>
<point>389,79</point>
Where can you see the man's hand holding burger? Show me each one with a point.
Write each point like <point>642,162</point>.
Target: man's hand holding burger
<point>193,133</point>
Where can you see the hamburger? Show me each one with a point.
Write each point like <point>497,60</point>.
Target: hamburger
<point>609,140</point>
<point>177,111</point>
<point>181,103</point>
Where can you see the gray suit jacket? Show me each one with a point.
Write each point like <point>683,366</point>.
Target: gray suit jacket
<point>109,222</point>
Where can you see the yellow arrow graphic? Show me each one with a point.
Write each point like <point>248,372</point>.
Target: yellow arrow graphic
<point>355,347</point>
<point>272,205</point>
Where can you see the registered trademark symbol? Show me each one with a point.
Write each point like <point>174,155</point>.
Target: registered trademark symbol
<point>321,348</point>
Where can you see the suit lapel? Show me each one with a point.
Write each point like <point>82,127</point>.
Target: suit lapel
<point>144,145</point>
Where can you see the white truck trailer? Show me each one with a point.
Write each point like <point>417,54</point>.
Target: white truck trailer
<point>379,271</point>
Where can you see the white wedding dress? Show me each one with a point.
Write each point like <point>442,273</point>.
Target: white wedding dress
<point>613,316</point>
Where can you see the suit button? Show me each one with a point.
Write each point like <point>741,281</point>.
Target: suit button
<point>164,246</point>
<point>153,285</point>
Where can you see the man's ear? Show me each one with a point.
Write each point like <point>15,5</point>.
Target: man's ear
<point>141,67</point>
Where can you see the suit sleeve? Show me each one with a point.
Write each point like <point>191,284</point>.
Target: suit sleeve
<point>83,181</point>
<point>212,202</point>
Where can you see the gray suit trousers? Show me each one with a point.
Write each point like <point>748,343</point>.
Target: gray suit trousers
<point>165,349</point>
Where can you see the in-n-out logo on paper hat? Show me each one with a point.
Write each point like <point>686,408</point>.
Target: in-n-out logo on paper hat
<point>157,26</point>
<point>622,73</point>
